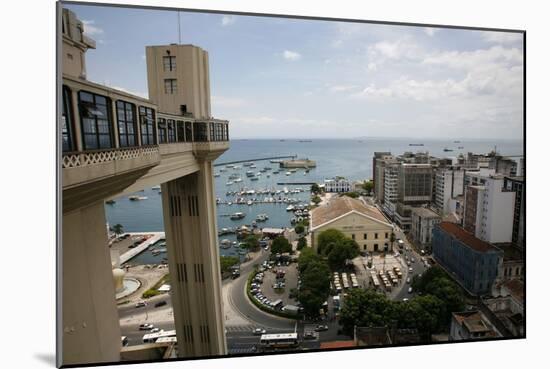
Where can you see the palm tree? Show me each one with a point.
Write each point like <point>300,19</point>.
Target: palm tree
<point>118,229</point>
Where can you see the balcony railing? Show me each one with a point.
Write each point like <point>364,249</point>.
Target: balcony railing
<point>85,158</point>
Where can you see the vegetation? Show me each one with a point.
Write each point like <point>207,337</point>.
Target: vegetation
<point>368,186</point>
<point>327,239</point>
<point>150,293</point>
<point>337,248</point>
<point>315,285</point>
<point>299,229</point>
<point>252,243</point>
<point>352,194</point>
<point>428,313</point>
<point>316,199</point>
<point>280,245</point>
<point>392,239</point>
<point>302,242</point>
<point>118,229</point>
<point>226,262</point>
<point>315,189</point>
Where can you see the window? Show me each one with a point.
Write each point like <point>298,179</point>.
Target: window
<point>353,236</point>
<point>162,130</point>
<point>386,236</point>
<point>200,132</point>
<point>180,131</point>
<point>364,236</point>
<point>171,130</point>
<point>67,121</point>
<point>127,124</point>
<point>170,86</point>
<point>95,120</point>
<point>169,63</point>
<point>147,124</point>
<point>375,247</point>
<point>376,236</point>
<point>188,131</point>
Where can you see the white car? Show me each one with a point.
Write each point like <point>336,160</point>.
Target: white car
<point>146,327</point>
<point>410,289</point>
<point>258,331</point>
<point>409,280</point>
<point>410,270</point>
<point>405,299</point>
<point>155,330</point>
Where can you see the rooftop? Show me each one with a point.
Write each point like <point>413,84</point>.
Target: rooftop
<point>511,251</point>
<point>339,206</point>
<point>337,344</point>
<point>425,212</point>
<point>467,238</point>
<point>472,320</point>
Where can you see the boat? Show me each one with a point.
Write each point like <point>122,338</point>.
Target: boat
<point>248,164</point>
<point>237,216</point>
<point>254,224</point>
<point>288,173</point>
<point>137,198</point>
<point>275,161</point>
<point>249,202</point>
<point>447,149</point>
<point>254,178</point>
<point>157,187</point>
<point>461,147</point>
<point>253,166</point>
<point>275,172</point>
<point>225,243</point>
<point>238,180</point>
<point>267,168</point>
<point>292,220</point>
<point>234,176</point>
<point>293,171</point>
<point>250,173</point>
<point>456,142</point>
<point>216,175</point>
<point>262,217</point>
<point>290,208</point>
<point>416,144</point>
<point>110,202</point>
<point>229,183</point>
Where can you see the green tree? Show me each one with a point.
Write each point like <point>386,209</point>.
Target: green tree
<point>226,262</point>
<point>118,229</point>
<point>316,199</point>
<point>352,194</point>
<point>315,189</point>
<point>368,186</point>
<point>341,251</point>
<point>315,287</point>
<point>251,243</point>
<point>299,229</point>
<point>302,242</point>
<point>307,256</point>
<point>280,245</point>
<point>327,239</point>
<point>366,308</point>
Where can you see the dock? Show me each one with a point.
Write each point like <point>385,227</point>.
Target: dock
<point>257,159</point>
<point>296,183</point>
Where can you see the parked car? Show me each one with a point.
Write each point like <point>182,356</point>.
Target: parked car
<point>410,270</point>
<point>321,328</point>
<point>140,304</point>
<point>155,330</point>
<point>409,280</point>
<point>410,290</point>
<point>160,303</point>
<point>405,299</point>
<point>259,331</point>
<point>146,327</point>
<point>309,335</point>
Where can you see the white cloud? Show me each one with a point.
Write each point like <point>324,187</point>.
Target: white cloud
<point>227,102</point>
<point>372,66</point>
<point>291,55</point>
<point>430,31</point>
<point>228,20</point>
<point>477,59</point>
<point>90,29</point>
<point>342,88</point>
<point>502,37</point>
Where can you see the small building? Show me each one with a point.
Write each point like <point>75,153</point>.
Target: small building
<point>363,223</point>
<point>471,325</point>
<point>473,263</point>
<point>273,232</point>
<point>337,184</point>
<point>507,306</point>
<point>422,222</point>
<point>298,163</point>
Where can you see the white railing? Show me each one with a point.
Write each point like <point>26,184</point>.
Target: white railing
<point>81,159</point>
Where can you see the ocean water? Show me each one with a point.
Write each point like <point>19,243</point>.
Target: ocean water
<point>351,158</point>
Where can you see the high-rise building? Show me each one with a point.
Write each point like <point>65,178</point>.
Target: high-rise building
<point>516,184</point>
<point>489,210</point>
<point>391,171</point>
<point>423,221</point>
<point>378,163</point>
<point>449,183</point>
<point>414,183</point>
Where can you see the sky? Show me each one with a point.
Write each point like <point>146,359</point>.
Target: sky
<point>279,77</point>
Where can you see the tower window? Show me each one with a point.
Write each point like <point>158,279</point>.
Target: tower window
<point>170,86</point>
<point>169,63</point>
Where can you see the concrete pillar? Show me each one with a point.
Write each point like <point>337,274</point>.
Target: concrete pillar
<point>193,257</point>
<point>77,126</point>
<point>90,324</point>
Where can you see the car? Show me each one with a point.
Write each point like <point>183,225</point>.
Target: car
<point>410,270</point>
<point>321,328</point>
<point>146,327</point>
<point>422,251</point>
<point>409,280</point>
<point>259,331</point>
<point>140,304</point>
<point>412,260</point>
<point>408,263</point>
<point>155,330</point>
<point>410,290</point>
<point>405,299</point>
<point>309,335</point>
<point>160,303</point>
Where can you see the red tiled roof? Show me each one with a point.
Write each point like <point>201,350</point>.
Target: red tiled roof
<point>339,206</point>
<point>467,238</point>
<point>337,344</point>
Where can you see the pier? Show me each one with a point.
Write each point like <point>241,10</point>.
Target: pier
<point>258,159</point>
<point>296,183</point>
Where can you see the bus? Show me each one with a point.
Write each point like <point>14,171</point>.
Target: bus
<point>167,340</point>
<point>153,337</point>
<point>279,340</point>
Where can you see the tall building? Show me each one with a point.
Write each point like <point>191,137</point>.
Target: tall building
<point>472,262</point>
<point>516,184</point>
<point>391,171</point>
<point>115,143</point>
<point>414,183</point>
<point>423,220</point>
<point>378,164</point>
<point>489,210</point>
<point>449,183</point>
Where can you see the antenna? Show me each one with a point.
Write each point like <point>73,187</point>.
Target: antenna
<point>179,29</point>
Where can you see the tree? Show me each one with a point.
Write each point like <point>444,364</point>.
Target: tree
<point>327,239</point>
<point>315,287</point>
<point>368,186</point>
<point>366,308</point>
<point>316,200</point>
<point>299,229</point>
<point>226,262</point>
<point>118,229</point>
<point>280,245</point>
<point>307,256</point>
<point>352,194</point>
<point>251,243</point>
<point>346,249</point>
<point>302,242</point>
<point>315,189</point>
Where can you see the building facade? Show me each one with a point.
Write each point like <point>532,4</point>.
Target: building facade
<point>472,262</point>
<point>363,223</point>
<point>471,325</point>
<point>516,185</point>
<point>114,143</point>
<point>414,183</point>
<point>337,185</point>
<point>489,210</point>
<point>423,220</point>
<point>378,164</point>
<point>391,171</point>
<point>448,184</point>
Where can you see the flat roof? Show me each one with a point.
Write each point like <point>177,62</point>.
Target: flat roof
<point>425,212</point>
<point>467,238</point>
